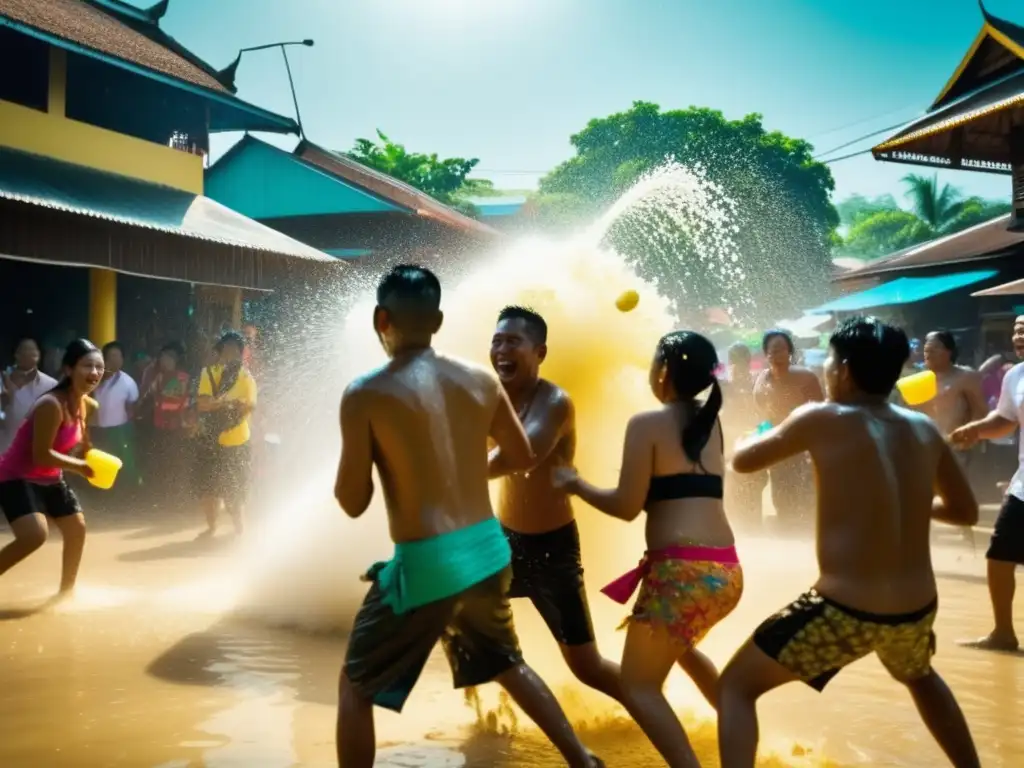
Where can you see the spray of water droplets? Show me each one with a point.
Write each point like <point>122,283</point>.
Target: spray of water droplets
<point>677,228</point>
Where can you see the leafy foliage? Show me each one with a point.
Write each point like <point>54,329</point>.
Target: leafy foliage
<point>783,218</point>
<point>880,227</point>
<point>444,180</point>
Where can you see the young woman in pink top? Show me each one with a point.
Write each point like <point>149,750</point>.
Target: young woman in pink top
<point>32,484</point>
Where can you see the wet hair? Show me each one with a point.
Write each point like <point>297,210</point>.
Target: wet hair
<point>873,351</point>
<point>110,346</point>
<point>948,340</point>
<point>411,294</point>
<point>536,326</point>
<point>74,352</point>
<point>777,333</point>
<point>230,337</point>
<point>739,353</point>
<point>690,361</point>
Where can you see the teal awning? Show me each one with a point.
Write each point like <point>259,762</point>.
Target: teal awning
<point>903,290</point>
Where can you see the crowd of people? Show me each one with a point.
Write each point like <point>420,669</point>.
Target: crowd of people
<point>438,430</point>
<point>176,435</point>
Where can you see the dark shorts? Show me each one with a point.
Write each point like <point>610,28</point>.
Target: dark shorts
<point>387,651</point>
<point>19,498</point>
<point>547,569</point>
<point>815,637</point>
<point>1007,544</point>
<point>222,472</point>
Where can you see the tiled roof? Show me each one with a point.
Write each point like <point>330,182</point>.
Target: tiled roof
<point>88,26</point>
<point>388,188</point>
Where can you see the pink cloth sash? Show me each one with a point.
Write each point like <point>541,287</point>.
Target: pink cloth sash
<point>622,589</point>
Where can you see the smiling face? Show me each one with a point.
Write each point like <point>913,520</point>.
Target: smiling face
<point>87,372</point>
<point>516,358</point>
<point>1018,337</point>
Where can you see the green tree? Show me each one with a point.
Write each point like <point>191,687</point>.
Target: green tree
<point>856,208</point>
<point>939,207</point>
<point>444,180</point>
<point>885,232</point>
<point>782,217</point>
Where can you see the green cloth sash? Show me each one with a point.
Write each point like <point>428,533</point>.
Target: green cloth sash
<point>423,572</point>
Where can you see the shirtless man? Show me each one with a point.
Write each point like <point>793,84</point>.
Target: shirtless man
<point>960,397</point>
<point>538,518</point>
<point>878,469</point>
<point>781,388</point>
<point>424,420</point>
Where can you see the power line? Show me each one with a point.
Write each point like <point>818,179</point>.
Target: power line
<point>818,156</point>
<point>837,129</point>
<point>859,139</point>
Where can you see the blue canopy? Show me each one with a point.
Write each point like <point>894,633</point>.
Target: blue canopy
<point>903,290</point>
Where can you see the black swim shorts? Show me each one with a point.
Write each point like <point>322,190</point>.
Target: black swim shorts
<point>1007,544</point>
<point>814,638</point>
<point>223,472</point>
<point>19,498</point>
<point>547,568</point>
<point>387,651</point>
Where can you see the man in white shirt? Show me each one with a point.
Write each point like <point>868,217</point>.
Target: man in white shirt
<point>1006,550</point>
<point>22,385</point>
<point>112,429</point>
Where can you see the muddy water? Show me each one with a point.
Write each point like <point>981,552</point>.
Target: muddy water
<point>147,668</point>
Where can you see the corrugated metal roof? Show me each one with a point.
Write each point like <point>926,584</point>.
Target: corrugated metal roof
<point>52,184</point>
<point>982,241</point>
<point>89,26</point>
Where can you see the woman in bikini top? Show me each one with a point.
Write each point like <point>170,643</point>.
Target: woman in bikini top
<point>690,578</point>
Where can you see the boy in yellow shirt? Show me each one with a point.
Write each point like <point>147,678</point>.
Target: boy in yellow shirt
<point>227,397</point>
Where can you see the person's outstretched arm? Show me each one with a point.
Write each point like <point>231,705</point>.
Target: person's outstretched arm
<point>507,431</point>
<point>626,500</point>
<point>791,437</point>
<point>543,430</point>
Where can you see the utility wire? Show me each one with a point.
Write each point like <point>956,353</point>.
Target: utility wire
<point>837,129</point>
<point>859,139</point>
<point>818,156</point>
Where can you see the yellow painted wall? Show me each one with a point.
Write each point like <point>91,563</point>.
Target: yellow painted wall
<point>55,136</point>
<point>51,134</point>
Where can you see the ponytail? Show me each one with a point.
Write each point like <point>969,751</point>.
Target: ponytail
<point>701,423</point>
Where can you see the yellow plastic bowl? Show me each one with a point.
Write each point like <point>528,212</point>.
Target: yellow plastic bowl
<point>104,468</point>
<point>918,388</point>
<point>627,300</point>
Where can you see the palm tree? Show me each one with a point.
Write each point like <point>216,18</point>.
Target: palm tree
<point>939,208</point>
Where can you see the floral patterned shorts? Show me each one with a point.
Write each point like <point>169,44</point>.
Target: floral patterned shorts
<point>814,637</point>
<point>687,597</point>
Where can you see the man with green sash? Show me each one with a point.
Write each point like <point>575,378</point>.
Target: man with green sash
<point>424,420</point>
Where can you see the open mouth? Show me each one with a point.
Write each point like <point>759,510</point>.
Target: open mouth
<point>506,369</point>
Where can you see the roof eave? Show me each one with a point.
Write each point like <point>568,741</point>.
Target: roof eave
<point>268,122</point>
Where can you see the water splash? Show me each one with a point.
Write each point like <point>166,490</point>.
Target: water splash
<point>677,228</point>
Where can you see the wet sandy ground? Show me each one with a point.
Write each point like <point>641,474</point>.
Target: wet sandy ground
<point>147,668</point>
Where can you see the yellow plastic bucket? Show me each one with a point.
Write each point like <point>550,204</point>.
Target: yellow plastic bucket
<point>918,388</point>
<point>104,468</point>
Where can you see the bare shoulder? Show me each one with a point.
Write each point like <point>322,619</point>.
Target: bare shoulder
<point>968,375</point>
<point>363,388</point>
<point>50,402</point>
<point>816,412</point>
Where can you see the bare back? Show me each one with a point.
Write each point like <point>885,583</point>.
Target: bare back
<point>677,521</point>
<point>430,417</point>
<point>876,469</point>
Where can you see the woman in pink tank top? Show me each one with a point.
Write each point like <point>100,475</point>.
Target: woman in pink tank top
<point>32,484</point>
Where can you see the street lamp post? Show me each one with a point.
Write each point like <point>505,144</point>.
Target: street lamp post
<point>229,72</point>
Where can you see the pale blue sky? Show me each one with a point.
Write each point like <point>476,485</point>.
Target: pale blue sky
<point>508,81</point>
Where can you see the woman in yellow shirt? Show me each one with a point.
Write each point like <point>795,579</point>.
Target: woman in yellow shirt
<point>227,397</point>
